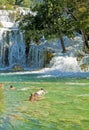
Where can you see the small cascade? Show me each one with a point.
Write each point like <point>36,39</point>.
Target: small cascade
<point>16,48</point>
<point>65,64</point>
<point>36,57</point>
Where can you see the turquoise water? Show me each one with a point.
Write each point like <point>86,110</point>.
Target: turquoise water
<point>17,113</point>
<point>14,105</point>
<point>27,78</point>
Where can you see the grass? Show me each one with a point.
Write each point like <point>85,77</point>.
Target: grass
<point>64,107</point>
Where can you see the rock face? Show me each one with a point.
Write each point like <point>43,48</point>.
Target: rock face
<point>84,63</point>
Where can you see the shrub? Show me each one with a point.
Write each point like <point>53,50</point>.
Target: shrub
<point>1,25</point>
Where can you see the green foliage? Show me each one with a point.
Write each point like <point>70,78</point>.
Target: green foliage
<point>4,2</point>
<point>48,56</point>
<point>1,25</point>
<point>8,7</point>
<point>84,67</point>
<point>57,18</point>
<point>49,20</point>
<point>24,3</point>
<point>80,10</point>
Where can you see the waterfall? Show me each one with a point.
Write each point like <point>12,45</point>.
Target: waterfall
<point>13,49</point>
<point>36,58</point>
<point>12,44</point>
<point>65,64</point>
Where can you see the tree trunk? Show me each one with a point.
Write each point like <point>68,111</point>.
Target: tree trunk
<point>85,40</point>
<point>62,44</point>
<point>84,35</point>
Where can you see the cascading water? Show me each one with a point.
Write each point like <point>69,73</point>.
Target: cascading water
<point>65,64</point>
<point>12,44</point>
<point>13,50</point>
<point>36,58</point>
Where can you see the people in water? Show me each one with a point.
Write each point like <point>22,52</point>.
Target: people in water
<point>40,92</point>
<point>36,96</point>
<point>32,97</point>
<point>12,87</point>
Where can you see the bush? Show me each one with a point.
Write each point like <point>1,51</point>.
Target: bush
<point>9,7</point>
<point>84,67</point>
<point>1,25</point>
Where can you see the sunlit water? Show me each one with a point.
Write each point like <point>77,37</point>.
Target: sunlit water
<point>17,113</point>
<point>15,109</point>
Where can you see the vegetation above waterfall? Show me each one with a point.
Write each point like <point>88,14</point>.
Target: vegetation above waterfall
<point>57,19</point>
<point>47,19</point>
<point>53,19</point>
<point>7,4</point>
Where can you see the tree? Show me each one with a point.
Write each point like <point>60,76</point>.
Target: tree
<point>49,21</point>
<point>7,2</point>
<point>27,3</point>
<point>58,18</point>
<point>79,11</point>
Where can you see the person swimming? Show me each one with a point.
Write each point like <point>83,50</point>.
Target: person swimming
<point>36,96</point>
<point>40,92</point>
<point>11,87</point>
<point>32,97</point>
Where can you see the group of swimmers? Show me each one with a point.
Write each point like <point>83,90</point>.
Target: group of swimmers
<point>33,96</point>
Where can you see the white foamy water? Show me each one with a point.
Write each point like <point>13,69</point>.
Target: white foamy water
<point>73,83</point>
<point>65,64</point>
<point>12,51</point>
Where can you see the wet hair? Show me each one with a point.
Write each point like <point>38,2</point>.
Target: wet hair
<point>11,86</point>
<point>42,89</point>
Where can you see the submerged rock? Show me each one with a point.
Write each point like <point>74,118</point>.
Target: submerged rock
<point>17,67</point>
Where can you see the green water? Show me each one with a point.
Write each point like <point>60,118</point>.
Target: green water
<point>65,106</point>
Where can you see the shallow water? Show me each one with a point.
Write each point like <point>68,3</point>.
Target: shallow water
<point>15,109</point>
<point>17,113</point>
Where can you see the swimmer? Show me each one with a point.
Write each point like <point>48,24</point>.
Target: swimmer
<point>32,97</point>
<point>11,87</point>
<point>40,92</point>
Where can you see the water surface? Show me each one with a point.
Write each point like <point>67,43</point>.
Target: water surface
<point>63,107</point>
